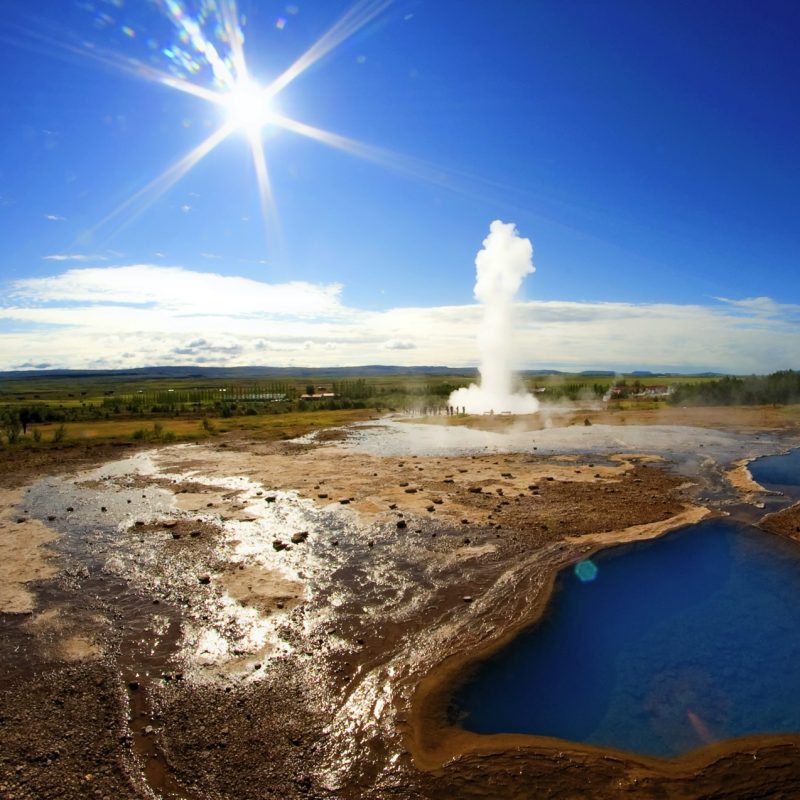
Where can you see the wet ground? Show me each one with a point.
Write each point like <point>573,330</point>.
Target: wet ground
<point>241,620</point>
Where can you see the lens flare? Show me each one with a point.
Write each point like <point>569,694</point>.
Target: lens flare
<point>586,570</point>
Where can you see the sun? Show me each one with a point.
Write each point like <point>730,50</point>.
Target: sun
<point>247,107</point>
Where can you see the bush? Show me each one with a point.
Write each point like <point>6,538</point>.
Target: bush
<point>60,433</point>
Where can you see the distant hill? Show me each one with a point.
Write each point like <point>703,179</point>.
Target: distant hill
<point>320,373</point>
<point>373,370</point>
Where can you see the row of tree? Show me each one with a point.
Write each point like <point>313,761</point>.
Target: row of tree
<point>779,388</point>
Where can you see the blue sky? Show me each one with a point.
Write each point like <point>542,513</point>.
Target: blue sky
<point>648,150</point>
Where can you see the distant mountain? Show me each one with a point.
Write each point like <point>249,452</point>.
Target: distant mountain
<point>373,370</point>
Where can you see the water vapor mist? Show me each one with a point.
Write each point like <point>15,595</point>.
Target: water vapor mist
<point>501,266</point>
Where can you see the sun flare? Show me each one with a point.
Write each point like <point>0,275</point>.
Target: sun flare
<point>248,107</point>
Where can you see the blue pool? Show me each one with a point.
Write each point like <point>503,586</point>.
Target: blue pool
<point>658,647</point>
<point>778,472</point>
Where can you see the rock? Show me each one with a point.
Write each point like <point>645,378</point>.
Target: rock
<point>204,579</point>
<point>70,508</point>
<point>431,508</point>
<point>299,537</point>
<point>370,543</point>
<point>401,523</point>
<point>411,491</point>
<point>475,489</point>
<point>133,685</point>
<point>345,501</point>
<point>169,523</point>
<point>467,598</point>
<point>403,483</point>
<point>195,534</point>
<point>437,501</point>
<point>392,506</point>
<point>51,518</point>
<point>466,540</point>
<point>139,523</point>
<point>322,496</point>
<point>270,498</point>
<point>279,545</point>
<point>176,535</point>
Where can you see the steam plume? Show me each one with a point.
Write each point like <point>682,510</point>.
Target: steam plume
<point>501,267</point>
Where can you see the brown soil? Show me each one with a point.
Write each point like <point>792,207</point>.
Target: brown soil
<point>352,707</point>
<point>784,523</point>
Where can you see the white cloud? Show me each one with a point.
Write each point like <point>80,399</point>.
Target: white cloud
<point>73,257</point>
<point>178,291</point>
<point>55,218</point>
<point>146,314</point>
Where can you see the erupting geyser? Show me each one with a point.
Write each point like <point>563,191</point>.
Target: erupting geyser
<point>501,267</point>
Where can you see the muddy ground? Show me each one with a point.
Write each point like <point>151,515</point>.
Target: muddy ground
<point>251,620</point>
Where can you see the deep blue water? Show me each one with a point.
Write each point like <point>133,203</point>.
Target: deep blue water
<point>778,472</point>
<point>678,642</point>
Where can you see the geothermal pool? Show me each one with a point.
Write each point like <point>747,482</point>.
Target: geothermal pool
<point>779,473</point>
<point>657,647</point>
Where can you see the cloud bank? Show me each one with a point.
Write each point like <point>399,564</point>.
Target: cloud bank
<point>145,314</point>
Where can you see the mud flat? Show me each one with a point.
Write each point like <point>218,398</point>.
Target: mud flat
<point>250,620</point>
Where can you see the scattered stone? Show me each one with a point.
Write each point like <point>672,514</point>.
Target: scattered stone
<point>271,498</point>
<point>169,523</point>
<point>403,483</point>
<point>278,545</point>
<point>401,523</point>
<point>549,478</point>
<point>370,543</point>
<point>322,496</point>
<point>204,579</point>
<point>299,537</point>
<point>475,489</point>
<point>176,535</point>
<point>345,501</point>
<point>392,506</point>
<point>466,540</point>
<point>103,508</point>
<point>51,518</point>
<point>411,491</point>
<point>195,534</point>
<point>467,598</point>
<point>431,508</point>
<point>70,508</point>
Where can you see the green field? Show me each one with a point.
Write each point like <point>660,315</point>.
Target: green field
<point>39,409</point>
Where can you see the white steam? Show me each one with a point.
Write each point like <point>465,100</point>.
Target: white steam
<point>501,267</point>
